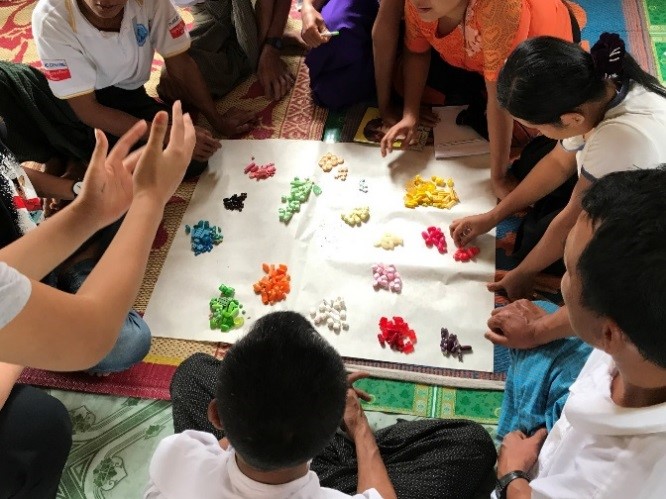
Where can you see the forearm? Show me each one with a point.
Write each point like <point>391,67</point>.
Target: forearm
<point>553,326</point>
<point>185,71</point>
<point>128,251</point>
<point>385,33</point>
<point>313,4</point>
<point>371,469</point>
<point>62,234</point>
<point>109,120</point>
<point>272,26</point>
<point>415,76</point>
<point>50,186</point>
<point>9,374</point>
<point>500,131</point>
<point>546,176</point>
<point>551,246</point>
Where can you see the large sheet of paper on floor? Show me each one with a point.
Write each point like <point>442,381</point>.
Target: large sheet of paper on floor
<point>326,257</point>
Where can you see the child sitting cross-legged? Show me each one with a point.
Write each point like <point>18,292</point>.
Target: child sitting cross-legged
<point>279,418</point>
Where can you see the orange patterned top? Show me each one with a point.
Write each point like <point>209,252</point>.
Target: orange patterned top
<point>492,29</point>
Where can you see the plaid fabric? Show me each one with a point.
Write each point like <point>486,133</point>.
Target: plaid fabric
<point>538,381</point>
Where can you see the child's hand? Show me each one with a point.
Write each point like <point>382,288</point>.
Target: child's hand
<point>160,170</point>
<point>107,186</point>
<point>465,230</point>
<point>406,128</point>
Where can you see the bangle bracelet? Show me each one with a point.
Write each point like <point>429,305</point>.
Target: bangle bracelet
<point>504,481</point>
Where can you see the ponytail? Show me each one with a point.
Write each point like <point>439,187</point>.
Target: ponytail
<point>546,77</point>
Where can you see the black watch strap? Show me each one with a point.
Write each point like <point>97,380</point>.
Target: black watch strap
<point>504,481</point>
<point>275,42</point>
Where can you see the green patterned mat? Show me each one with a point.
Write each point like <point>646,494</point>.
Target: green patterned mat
<point>656,20</point>
<point>115,437</point>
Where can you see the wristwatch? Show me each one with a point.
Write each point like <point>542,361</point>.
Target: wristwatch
<point>76,188</point>
<point>504,481</point>
<point>275,42</point>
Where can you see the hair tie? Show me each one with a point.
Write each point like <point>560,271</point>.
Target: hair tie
<point>608,55</point>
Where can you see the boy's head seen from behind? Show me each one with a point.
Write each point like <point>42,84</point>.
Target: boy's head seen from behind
<point>280,392</point>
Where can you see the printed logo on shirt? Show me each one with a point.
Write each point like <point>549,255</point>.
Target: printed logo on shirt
<point>140,31</point>
<point>177,27</point>
<point>56,69</point>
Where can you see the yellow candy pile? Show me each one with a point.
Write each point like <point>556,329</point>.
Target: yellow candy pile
<point>357,216</point>
<point>437,192</point>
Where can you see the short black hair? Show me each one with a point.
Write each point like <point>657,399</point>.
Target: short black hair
<point>623,268</point>
<point>281,392</point>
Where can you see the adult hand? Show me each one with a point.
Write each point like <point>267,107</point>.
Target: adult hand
<point>273,74</point>
<point>520,452</point>
<point>234,122</point>
<point>160,170</point>
<point>464,230</point>
<point>404,129</point>
<point>205,144</point>
<point>106,193</point>
<point>502,186</point>
<point>313,27</point>
<point>514,326</point>
<point>515,284</point>
<point>354,417</point>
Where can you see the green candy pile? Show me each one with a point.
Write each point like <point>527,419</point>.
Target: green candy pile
<point>225,311</point>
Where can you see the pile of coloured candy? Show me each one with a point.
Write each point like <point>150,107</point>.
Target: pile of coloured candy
<point>362,186</point>
<point>235,202</point>
<point>258,172</point>
<point>299,193</point>
<point>437,192</point>
<point>451,345</point>
<point>341,173</point>
<point>386,277</point>
<point>274,286</point>
<point>389,241</point>
<point>397,334</point>
<point>434,236</point>
<point>333,313</point>
<point>465,254</point>
<point>329,161</point>
<point>203,236</point>
<point>357,216</point>
<point>225,310</point>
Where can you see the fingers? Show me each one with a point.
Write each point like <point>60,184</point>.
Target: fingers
<point>132,159</point>
<point>356,375</point>
<point>539,436</point>
<point>189,134</point>
<point>363,395</point>
<point>496,338</point>
<point>126,142</point>
<point>495,286</point>
<point>98,156</point>
<point>177,127</point>
<point>158,131</point>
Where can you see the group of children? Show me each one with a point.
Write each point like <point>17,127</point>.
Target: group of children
<point>585,401</point>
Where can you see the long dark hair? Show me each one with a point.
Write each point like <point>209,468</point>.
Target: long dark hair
<point>546,77</point>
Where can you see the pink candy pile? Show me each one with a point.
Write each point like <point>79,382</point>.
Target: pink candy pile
<point>259,172</point>
<point>386,277</point>
<point>465,254</point>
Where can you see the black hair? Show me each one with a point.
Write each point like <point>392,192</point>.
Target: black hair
<point>281,392</point>
<point>546,77</point>
<point>623,268</point>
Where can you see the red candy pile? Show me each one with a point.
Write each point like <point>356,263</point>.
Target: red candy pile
<point>434,236</point>
<point>397,334</point>
<point>465,254</point>
<point>258,172</point>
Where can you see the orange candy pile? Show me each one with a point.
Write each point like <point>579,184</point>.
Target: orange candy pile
<point>274,286</point>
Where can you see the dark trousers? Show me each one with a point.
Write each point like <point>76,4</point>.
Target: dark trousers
<point>35,438</point>
<point>428,459</point>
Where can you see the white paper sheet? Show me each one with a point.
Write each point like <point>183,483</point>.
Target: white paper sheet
<point>454,141</point>
<point>326,257</point>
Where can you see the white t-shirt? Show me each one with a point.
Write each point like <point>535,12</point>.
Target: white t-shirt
<point>632,135</point>
<point>15,289</point>
<point>193,465</point>
<point>598,449</point>
<point>77,58</point>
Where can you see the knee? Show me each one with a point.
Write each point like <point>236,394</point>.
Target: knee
<point>131,347</point>
<point>51,433</point>
<point>183,377</point>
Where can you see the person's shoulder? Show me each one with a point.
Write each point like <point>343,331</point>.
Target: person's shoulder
<point>189,441</point>
<point>50,12</point>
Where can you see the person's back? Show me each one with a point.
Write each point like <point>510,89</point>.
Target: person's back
<point>280,397</point>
